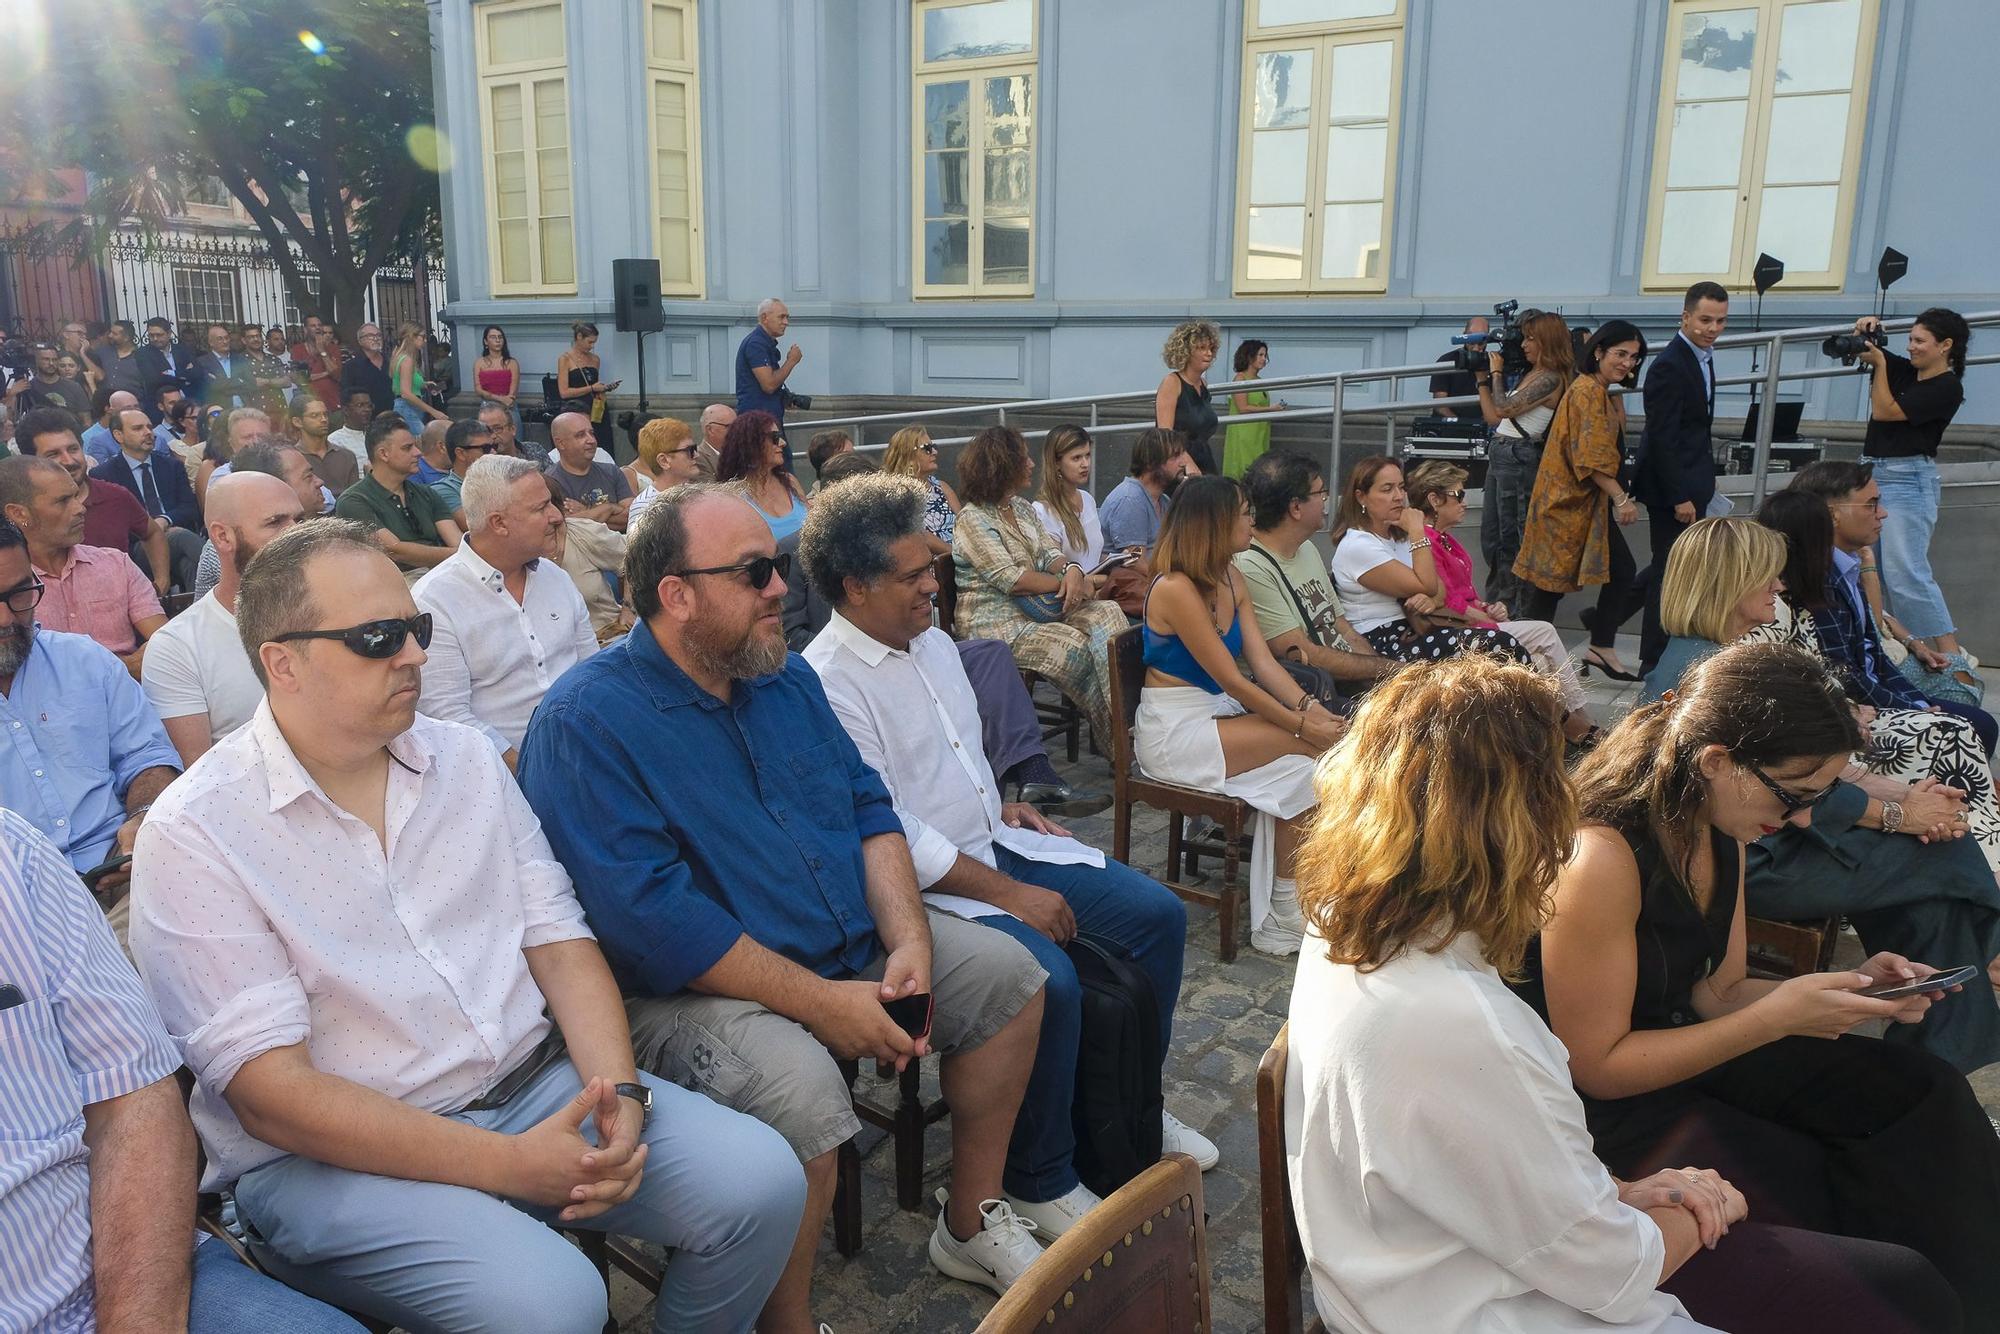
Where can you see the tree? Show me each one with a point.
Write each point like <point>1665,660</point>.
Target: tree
<point>314,114</point>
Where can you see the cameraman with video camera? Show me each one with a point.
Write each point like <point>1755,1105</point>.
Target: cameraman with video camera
<point>1541,356</point>
<point>1910,402</point>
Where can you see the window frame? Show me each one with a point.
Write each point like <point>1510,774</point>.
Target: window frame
<point>524,76</point>
<point>687,74</point>
<point>1750,187</point>
<point>972,72</point>
<point>1322,37</point>
<point>233,281</point>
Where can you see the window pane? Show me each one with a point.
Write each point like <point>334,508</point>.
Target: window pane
<point>558,259</point>
<point>1816,46</point>
<point>1007,113</point>
<point>1356,157</point>
<point>1278,167</point>
<point>669,114</point>
<point>552,174</point>
<point>1278,13</point>
<point>945,193</point>
<point>1277,244</point>
<point>1361,73</point>
<point>944,252</point>
<point>1008,188</point>
<point>1006,253</point>
<point>551,115</point>
<point>507,118</point>
<point>1717,52</point>
<point>669,33</point>
<point>1696,227</point>
<point>1352,245</point>
<point>676,251</point>
<point>972,32</point>
<point>1796,225</point>
<point>513,36</point>
<point>1282,96</point>
<point>1707,145</point>
<point>514,252</point>
<point>1808,139</point>
<point>947,112</point>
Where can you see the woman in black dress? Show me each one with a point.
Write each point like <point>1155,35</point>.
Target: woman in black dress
<point>1183,402</point>
<point>1680,1057</point>
<point>580,382</point>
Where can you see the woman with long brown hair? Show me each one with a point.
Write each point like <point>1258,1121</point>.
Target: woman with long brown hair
<point>1519,419</point>
<point>753,455</point>
<point>1063,503</point>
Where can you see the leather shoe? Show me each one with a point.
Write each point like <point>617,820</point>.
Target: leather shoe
<point>1062,799</point>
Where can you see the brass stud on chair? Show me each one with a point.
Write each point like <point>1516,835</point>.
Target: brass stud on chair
<point>1107,1259</point>
<point>1146,1227</point>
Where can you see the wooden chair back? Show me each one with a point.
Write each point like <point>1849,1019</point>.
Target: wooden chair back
<point>947,594</point>
<point>1789,949</point>
<point>1284,1256</point>
<point>1136,1264</point>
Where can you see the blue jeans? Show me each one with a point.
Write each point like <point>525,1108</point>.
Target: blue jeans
<point>1143,918</point>
<point>232,1298</point>
<point>723,1191</point>
<point>1909,513</point>
<point>415,420</point>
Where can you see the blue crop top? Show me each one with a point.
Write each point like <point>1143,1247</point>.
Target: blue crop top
<point>1170,655</point>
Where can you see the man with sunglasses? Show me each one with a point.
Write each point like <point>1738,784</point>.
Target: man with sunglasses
<point>465,443</point>
<point>409,1055</point>
<point>506,621</point>
<point>407,518</point>
<point>755,890</point>
<point>716,419</point>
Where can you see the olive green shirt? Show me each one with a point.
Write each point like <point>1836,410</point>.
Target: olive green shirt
<point>413,519</point>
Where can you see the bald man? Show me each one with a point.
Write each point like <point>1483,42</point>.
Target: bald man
<point>592,487</point>
<point>197,675</point>
<point>433,461</point>
<point>99,442</point>
<point>716,419</point>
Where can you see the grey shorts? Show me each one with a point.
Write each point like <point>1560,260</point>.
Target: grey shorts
<point>767,1066</point>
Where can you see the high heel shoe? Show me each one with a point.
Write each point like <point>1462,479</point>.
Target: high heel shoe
<point>1586,662</point>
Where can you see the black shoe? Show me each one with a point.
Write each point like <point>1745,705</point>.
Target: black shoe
<point>1062,799</point>
<point>1587,662</point>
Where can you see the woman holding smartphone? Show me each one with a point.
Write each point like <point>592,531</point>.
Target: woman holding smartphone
<point>1680,1055</point>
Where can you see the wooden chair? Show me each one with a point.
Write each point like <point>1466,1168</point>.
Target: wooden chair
<point>1789,949</point>
<point>1131,788</point>
<point>1136,1264</point>
<point>906,1123</point>
<point>1284,1257</point>
<point>1058,719</point>
<point>947,594</point>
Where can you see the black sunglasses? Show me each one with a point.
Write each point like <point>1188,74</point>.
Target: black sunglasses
<point>1793,802</point>
<point>928,449</point>
<point>774,435</point>
<point>758,570</point>
<point>29,593</point>
<point>372,639</point>
<point>1453,495</point>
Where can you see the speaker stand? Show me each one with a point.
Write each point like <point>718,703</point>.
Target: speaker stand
<point>640,339</point>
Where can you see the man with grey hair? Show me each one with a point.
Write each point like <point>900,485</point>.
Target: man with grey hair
<point>408,1052</point>
<point>506,622</point>
<point>506,440</point>
<point>760,372</point>
<point>1002,864</point>
<point>716,419</point>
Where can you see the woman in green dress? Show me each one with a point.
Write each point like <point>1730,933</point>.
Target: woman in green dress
<point>1244,445</point>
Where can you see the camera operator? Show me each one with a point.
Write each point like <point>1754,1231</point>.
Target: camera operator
<point>1519,420</point>
<point>1456,383</point>
<point>49,388</point>
<point>1910,402</point>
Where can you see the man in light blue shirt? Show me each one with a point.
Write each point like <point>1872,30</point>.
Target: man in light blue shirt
<point>1131,515</point>
<point>85,754</point>
<point>98,442</point>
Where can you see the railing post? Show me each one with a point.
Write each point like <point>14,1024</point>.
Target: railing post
<point>1339,401</point>
<point>1767,417</point>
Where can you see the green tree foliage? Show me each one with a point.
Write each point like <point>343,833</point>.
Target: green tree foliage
<point>314,114</point>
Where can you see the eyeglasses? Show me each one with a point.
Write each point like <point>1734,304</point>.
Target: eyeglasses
<point>372,639</point>
<point>758,570</point>
<point>1318,494</point>
<point>1453,495</point>
<point>687,449</point>
<point>1793,802</point>
<point>928,449</point>
<point>22,598</point>
<point>775,435</point>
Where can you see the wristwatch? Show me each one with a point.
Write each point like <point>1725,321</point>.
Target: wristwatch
<point>641,1094</point>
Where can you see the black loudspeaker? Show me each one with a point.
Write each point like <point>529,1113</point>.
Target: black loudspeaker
<point>635,285</point>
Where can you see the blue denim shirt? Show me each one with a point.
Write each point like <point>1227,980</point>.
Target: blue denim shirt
<point>757,349</point>
<point>687,822</point>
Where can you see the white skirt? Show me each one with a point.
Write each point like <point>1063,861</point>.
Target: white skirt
<point>1174,739</point>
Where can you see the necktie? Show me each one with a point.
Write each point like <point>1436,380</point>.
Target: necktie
<point>146,492</point>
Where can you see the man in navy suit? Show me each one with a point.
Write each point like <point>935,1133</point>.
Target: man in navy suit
<point>161,484</point>
<point>1675,478</point>
<point>160,360</point>
<point>225,371</point>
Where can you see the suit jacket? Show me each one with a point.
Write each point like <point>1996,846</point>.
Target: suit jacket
<point>1848,640</point>
<point>1677,453</point>
<point>219,386</point>
<point>153,369</point>
<point>169,478</point>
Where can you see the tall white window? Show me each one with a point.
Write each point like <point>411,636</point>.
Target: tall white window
<point>1761,114</point>
<point>1315,179</point>
<point>524,113</point>
<point>674,100</point>
<point>974,164</point>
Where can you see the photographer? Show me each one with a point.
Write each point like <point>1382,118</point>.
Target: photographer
<point>1910,402</point>
<point>1519,420</point>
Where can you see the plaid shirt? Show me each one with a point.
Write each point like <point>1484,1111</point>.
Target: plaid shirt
<point>1848,638</point>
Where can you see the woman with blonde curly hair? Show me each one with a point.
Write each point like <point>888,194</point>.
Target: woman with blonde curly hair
<point>1441,1166</point>
<point>911,454</point>
<point>1183,403</point>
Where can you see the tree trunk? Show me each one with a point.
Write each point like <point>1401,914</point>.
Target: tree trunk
<point>347,300</point>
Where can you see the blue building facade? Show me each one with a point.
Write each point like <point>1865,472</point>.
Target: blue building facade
<point>1019,198</point>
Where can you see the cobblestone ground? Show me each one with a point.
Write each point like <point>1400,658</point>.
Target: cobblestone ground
<point>1228,1015</point>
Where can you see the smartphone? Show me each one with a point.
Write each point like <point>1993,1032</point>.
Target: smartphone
<point>1942,980</point>
<point>912,1013</point>
<point>104,868</point>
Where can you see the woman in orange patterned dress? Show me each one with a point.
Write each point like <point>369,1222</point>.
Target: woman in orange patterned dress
<point>1570,541</point>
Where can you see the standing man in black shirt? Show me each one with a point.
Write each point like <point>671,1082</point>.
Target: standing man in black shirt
<point>48,388</point>
<point>1457,383</point>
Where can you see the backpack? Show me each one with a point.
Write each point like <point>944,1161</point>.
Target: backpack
<point>1117,1104</point>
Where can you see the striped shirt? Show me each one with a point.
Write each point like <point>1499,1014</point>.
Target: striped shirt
<point>86,1032</point>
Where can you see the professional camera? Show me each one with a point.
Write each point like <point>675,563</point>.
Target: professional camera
<point>17,356</point>
<point>803,402</point>
<point>1469,350</point>
<point>1848,347</point>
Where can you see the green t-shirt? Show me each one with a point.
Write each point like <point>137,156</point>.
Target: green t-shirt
<point>414,519</point>
<point>1277,611</point>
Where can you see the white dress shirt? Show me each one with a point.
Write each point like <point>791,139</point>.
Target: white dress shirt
<point>915,720</point>
<point>354,442</point>
<point>492,658</point>
<point>196,663</point>
<point>1441,1171</point>
<point>263,915</point>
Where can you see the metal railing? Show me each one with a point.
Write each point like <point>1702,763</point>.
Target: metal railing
<point>1770,345</point>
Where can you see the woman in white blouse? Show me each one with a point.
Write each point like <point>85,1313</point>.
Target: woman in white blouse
<point>1064,504</point>
<point>1441,1171</point>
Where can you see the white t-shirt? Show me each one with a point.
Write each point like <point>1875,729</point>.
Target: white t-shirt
<point>196,663</point>
<point>1359,552</point>
<point>1092,550</point>
<point>1440,1165</point>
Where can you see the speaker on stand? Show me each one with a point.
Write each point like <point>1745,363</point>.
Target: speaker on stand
<point>635,287</point>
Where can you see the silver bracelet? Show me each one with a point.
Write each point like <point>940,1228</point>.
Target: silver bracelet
<point>1421,544</point>
<point>1892,816</point>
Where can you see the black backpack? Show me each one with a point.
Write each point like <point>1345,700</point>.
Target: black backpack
<point>1116,1107</point>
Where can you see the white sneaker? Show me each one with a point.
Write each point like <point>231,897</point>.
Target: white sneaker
<point>1000,1252</point>
<point>1054,1217</point>
<point>1176,1136</point>
<point>1273,936</point>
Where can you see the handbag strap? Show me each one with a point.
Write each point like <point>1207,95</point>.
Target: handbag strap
<point>1298,604</point>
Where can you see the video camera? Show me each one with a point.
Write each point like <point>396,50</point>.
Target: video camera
<point>1848,347</point>
<point>17,356</point>
<point>1469,349</point>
